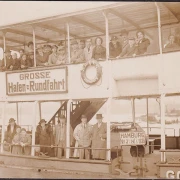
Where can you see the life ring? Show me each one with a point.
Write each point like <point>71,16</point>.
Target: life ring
<point>98,72</point>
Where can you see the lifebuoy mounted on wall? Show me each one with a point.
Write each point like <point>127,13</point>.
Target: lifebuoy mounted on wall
<point>98,75</point>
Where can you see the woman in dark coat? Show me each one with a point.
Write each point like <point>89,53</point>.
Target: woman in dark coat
<point>43,137</point>
<point>143,43</point>
<point>99,52</point>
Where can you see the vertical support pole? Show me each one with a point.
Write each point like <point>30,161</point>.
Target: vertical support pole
<point>163,138</point>
<point>3,125</point>
<point>133,109</point>
<point>68,129</point>
<point>108,154</point>
<point>33,129</point>
<point>68,37</point>
<point>4,43</point>
<point>147,106</point>
<point>107,35</point>
<point>34,44</point>
<point>17,112</point>
<point>39,103</point>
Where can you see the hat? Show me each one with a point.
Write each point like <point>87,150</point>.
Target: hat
<point>123,31</point>
<point>99,116</point>
<point>62,116</point>
<point>83,116</point>
<point>47,45</point>
<point>54,46</point>
<point>23,129</point>
<point>29,43</point>
<point>131,38</point>
<point>100,39</point>
<point>74,42</point>
<point>114,38</point>
<point>11,120</point>
<point>42,120</point>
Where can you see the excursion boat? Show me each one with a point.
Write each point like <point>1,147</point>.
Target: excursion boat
<point>83,88</point>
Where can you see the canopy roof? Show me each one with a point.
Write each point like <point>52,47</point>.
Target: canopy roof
<point>86,19</point>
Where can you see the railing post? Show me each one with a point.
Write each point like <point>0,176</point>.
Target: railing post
<point>3,125</point>
<point>133,109</point>
<point>68,38</point>
<point>68,129</point>
<point>147,106</point>
<point>34,45</point>
<point>4,49</point>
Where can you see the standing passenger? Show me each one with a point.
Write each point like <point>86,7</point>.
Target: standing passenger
<point>99,138</point>
<point>13,64</point>
<point>25,142</point>
<point>82,134</point>
<point>30,47</point>
<point>54,56</point>
<point>99,52</point>
<point>82,44</point>
<point>8,60</point>
<point>88,50</point>
<point>62,56</point>
<point>60,136</point>
<point>24,64</point>
<point>115,47</point>
<point>41,60</point>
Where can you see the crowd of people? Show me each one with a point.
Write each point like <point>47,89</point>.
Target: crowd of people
<point>89,141</point>
<point>80,52</point>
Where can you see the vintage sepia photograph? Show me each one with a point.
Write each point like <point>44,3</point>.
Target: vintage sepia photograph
<point>90,89</point>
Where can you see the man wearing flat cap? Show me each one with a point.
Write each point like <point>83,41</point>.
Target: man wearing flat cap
<point>115,47</point>
<point>131,49</point>
<point>99,138</point>
<point>83,135</point>
<point>9,134</point>
<point>77,55</point>
<point>60,136</point>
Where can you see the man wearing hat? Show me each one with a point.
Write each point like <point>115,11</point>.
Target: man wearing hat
<point>60,136</point>
<point>8,60</point>
<point>83,135</point>
<point>115,47</point>
<point>77,55</point>
<point>88,50</point>
<point>99,138</point>
<point>47,51</point>
<point>9,134</point>
<point>62,56</point>
<point>124,37</point>
<point>131,49</point>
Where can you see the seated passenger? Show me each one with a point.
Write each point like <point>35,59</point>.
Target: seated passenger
<point>30,58</point>
<point>30,47</point>
<point>82,44</point>
<point>115,47</point>
<point>24,63</point>
<point>25,142</point>
<point>99,52</point>
<point>171,44</point>
<point>16,147</point>
<point>21,52</point>
<point>62,56</point>
<point>41,60</point>
<point>14,63</point>
<point>53,57</point>
<point>88,50</point>
<point>143,42</point>
<point>130,49</point>
<point>77,55</point>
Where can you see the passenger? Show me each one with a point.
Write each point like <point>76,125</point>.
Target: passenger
<point>60,136</point>
<point>143,42</point>
<point>14,63</point>
<point>99,138</point>
<point>77,55</point>
<point>24,63</point>
<point>16,147</point>
<point>131,49</point>
<point>8,59</point>
<point>82,44</point>
<point>88,50</point>
<point>83,135</point>
<point>62,56</point>
<point>124,36</point>
<point>115,47</point>
<point>21,52</point>
<point>41,60</point>
<point>171,44</point>
<point>43,134</point>
<point>99,52</point>
<point>47,51</point>
<point>30,47</point>
<point>53,57</point>
<point>30,59</point>
<point>61,43</point>
<point>9,135</point>
<point>25,142</point>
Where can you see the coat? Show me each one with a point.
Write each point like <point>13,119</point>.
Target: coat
<point>10,135</point>
<point>13,62</point>
<point>77,56</point>
<point>99,52</point>
<point>129,51</point>
<point>53,58</point>
<point>40,60</point>
<point>16,147</point>
<point>88,53</point>
<point>114,51</point>
<point>142,46</point>
<point>27,141</point>
<point>98,142</point>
